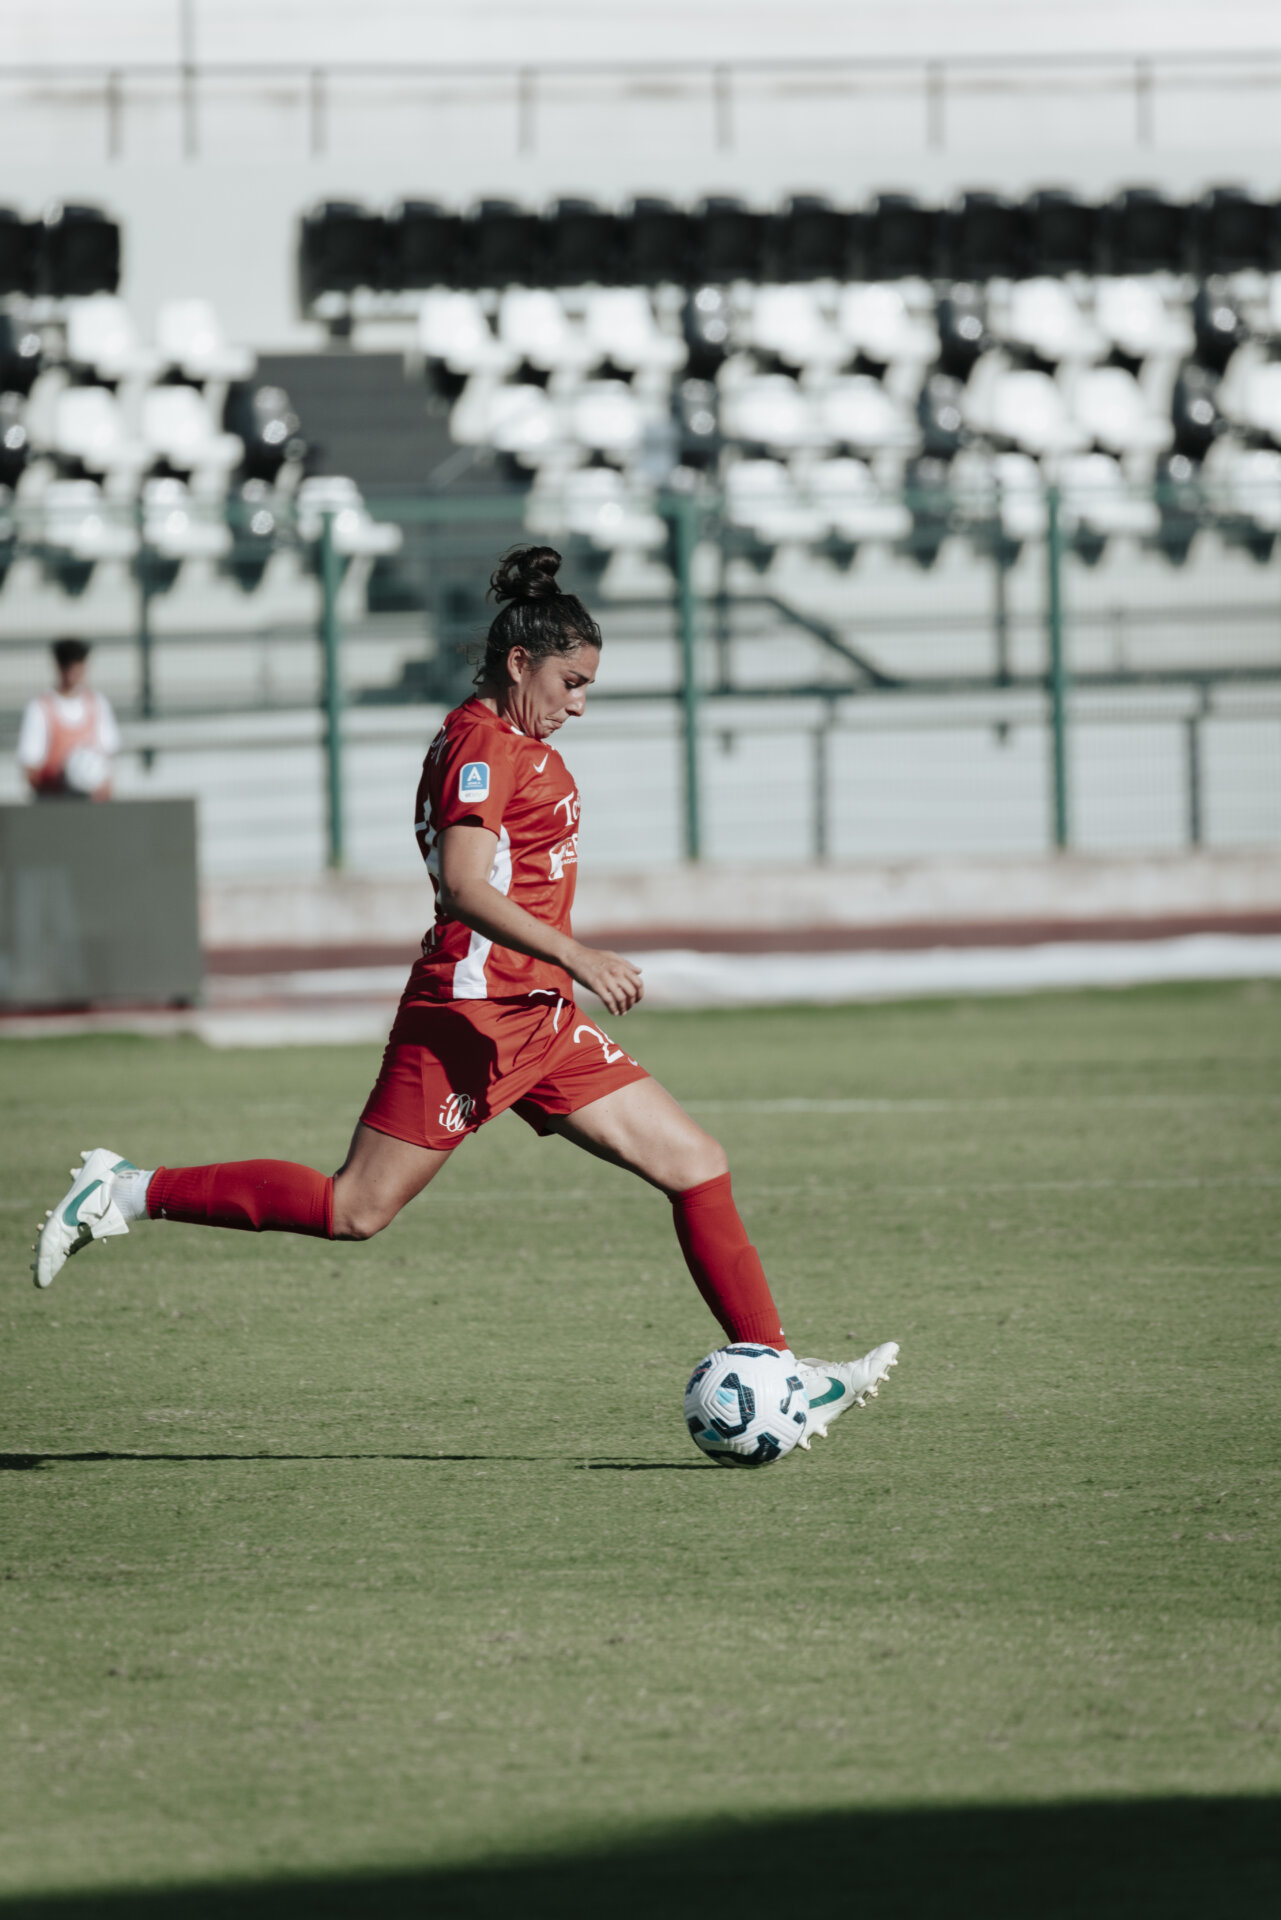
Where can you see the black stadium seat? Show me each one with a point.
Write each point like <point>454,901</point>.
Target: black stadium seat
<point>17,253</point>
<point>981,237</point>
<point>729,241</point>
<point>501,245</point>
<point>341,247</point>
<point>581,244</point>
<point>1062,233</point>
<point>655,244</point>
<point>20,355</point>
<point>422,246</point>
<point>1230,230</point>
<point>79,252</point>
<point>807,239</point>
<point>1142,232</point>
<point>898,238</point>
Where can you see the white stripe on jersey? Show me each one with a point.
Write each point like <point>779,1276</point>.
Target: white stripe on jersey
<point>469,973</point>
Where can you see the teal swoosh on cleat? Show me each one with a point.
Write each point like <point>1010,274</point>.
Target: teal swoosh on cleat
<point>835,1390</point>
<point>72,1214</point>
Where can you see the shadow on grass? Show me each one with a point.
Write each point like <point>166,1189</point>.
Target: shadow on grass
<point>1210,1859</point>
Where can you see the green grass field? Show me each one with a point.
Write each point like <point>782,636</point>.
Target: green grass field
<point>385,1579</point>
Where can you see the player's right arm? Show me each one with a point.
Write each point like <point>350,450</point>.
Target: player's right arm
<point>466,856</point>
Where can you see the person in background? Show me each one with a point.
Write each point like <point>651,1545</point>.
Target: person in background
<point>69,736</point>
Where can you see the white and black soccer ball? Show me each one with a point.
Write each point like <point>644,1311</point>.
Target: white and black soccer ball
<point>746,1406</point>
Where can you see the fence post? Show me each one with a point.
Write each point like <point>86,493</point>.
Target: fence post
<point>331,642</point>
<point>1058,668</point>
<point>685,514</point>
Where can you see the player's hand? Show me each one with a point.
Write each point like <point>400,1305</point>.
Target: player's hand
<point>609,976</point>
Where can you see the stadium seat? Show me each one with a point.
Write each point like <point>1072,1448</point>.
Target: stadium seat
<point>875,321</point>
<point>341,248</point>
<point>761,496</point>
<point>355,534</point>
<point>697,415</point>
<point>1181,505</point>
<point>76,524</point>
<point>191,340</point>
<point>1142,232</point>
<point>1042,316</point>
<point>18,253</point>
<point>1062,234</point>
<point>1217,323</point>
<point>599,505</point>
<point>500,245</point>
<point>178,429</point>
<point>421,246</point>
<point>621,329</point>
<point>581,244</point>
<point>1196,419</point>
<point>981,237</point>
<point>1132,315</point>
<point>606,417</point>
<point>940,414</point>
<point>807,239</point>
<point>855,411</point>
<point>896,239</point>
<point>707,320</point>
<point>89,427</point>
<point>1231,231</point>
<point>655,244</point>
<point>789,323</point>
<point>21,354</point>
<point>1097,500</point>
<point>1243,485</point>
<point>961,317</point>
<point>453,329</point>
<point>15,447</point>
<point>769,410</point>
<point>268,427</point>
<point>1020,497</point>
<point>534,327</point>
<point>1250,394</point>
<point>176,527</point>
<point>728,241</point>
<point>78,252</point>
<point>102,338</point>
<point>1021,408</point>
<point>852,505</point>
<point>519,419</point>
<point>1109,406</point>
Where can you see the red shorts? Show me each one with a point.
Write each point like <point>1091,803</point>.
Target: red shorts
<point>450,1067</point>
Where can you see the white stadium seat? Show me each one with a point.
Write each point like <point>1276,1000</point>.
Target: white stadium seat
<point>533,326</point>
<point>452,328</point>
<point>599,504</point>
<point>177,427</point>
<point>1096,497</point>
<point>1132,314</point>
<point>190,337</point>
<point>850,501</point>
<point>1109,406</point>
<point>101,335</point>
<point>355,534</point>
<point>1026,408</point>
<point>874,319</point>
<point>789,321</point>
<point>180,528</point>
<point>761,495</point>
<point>1245,482</point>
<point>89,426</point>
<point>1043,315</point>
<point>1251,394</point>
<point>606,417</point>
<point>76,522</point>
<point>621,327</point>
<point>769,410</point>
<point>856,411</point>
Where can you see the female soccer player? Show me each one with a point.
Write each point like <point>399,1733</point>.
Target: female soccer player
<point>487,1020</point>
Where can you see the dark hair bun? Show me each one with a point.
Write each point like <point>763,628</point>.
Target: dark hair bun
<point>527,573</point>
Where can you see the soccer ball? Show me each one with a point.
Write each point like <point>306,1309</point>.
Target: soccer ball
<point>746,1406</point>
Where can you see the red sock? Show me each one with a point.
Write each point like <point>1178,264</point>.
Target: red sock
<point>258,1196</point>
<point>726,1267</point>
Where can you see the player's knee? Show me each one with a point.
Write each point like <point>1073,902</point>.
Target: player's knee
<point>358,1221</point>
<point>707,1161</point>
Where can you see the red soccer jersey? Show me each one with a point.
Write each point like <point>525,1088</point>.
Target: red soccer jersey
<point>482,771</point>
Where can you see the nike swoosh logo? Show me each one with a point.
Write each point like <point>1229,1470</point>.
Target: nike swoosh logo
<point>835,1390</point>
<point>72,1215</point>
<point>541,764</point>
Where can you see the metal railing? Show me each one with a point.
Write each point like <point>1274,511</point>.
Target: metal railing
<point>934,84</point>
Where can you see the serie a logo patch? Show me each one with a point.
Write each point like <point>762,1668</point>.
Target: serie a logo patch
<point>473,781</point>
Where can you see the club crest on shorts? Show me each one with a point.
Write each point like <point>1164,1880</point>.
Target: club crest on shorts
<point>457,1112</point>
<point>473,781</point>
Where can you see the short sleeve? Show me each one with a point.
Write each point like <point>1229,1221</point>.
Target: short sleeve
<point>472,781</point>
<point>33,740</point>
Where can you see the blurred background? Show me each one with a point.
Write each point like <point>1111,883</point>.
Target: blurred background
<point>903,385</point>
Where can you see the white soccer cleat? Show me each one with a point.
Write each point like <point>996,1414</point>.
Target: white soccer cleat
<point>834,1385</point>
<point>88,1212</point>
